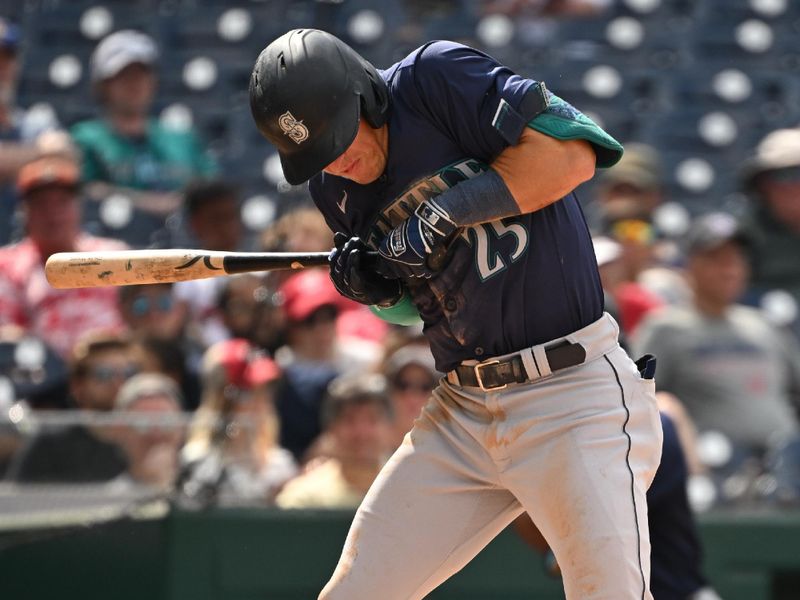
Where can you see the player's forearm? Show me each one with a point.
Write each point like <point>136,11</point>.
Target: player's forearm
<point>540,169</point>
<point>536,172</point>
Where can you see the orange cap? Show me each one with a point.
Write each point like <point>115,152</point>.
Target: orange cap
<point>47,170</point>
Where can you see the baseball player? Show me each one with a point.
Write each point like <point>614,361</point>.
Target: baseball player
<point>460,174</point>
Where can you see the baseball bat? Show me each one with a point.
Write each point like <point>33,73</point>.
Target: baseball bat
<point>137,267</point>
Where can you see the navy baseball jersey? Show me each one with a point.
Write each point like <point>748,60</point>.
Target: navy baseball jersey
<point>511,283</point>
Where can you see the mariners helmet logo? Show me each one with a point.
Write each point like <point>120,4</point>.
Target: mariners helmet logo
<point>293,128</point>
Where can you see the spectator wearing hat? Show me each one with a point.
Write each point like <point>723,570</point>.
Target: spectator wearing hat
<point>232,455</point>
<point>126,151</point>
<point>20,130</point>
<point>82,452</point>
<point>151,432</point>
<point>731,369</point>
<point>356,417</point>
<point>311,306</point>
<point>772,179</point>
<point>314,353</point>
<point>633,187</point>
<point>411,375</point>
<point>52,215</point>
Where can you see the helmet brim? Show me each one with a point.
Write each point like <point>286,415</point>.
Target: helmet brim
<point>302,164</point>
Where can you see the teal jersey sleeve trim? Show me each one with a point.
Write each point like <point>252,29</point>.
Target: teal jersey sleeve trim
<point>403,312</point>
<point>563,122</point>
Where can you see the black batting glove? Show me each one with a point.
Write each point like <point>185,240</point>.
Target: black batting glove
<point>354,278</point>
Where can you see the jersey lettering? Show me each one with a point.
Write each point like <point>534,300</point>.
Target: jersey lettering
<point>407,202</point>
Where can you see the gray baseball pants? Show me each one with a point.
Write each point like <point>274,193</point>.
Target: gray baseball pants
<point>576,449</point>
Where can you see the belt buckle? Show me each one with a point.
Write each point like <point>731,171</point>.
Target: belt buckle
<point>477,369</point>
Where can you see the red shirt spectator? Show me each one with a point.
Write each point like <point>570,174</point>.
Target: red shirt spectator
<point>51,209</point>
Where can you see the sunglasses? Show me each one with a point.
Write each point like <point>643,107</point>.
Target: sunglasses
<point>146,304</point>
<point>402,385</point>
<point>105,374</point>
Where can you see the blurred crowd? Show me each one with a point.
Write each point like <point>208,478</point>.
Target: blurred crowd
<point>271,389</point>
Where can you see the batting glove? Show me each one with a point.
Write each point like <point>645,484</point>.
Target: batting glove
<point>415,247</point>
<point>355,278</point>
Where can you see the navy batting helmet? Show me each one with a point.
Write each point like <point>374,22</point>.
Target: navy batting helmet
<point>308,90</point>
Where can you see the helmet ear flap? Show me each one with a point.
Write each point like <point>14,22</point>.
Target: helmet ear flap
<point>375,100</point>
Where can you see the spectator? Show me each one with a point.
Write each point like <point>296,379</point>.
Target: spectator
<point>160,323</point>
<point>126,151</point>
<point>238,303</point>
<point>311,306</point>
<point>356,416</point>
<point>213,219</point>
<point>304,230</point>
<point>19,129</point>
<point>733,372</point>
<point>627,202</point>
<point>634,186</point>
<point>151,311</point>
<point>82,453</point>
<point>168,357</point>
<point>772,177</point>
<point>300,230</point>
<point>232,456</point>
<point>313,355</point>
<point>152,434</point>
<point>52,214</point>
<point>412,375</point>
<point>213,214</point>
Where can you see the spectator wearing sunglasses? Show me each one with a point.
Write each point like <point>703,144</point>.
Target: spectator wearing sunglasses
<point>82,452</point>
<point>153,432</point>
<point>158,321</point>
<point>412,375</point>
<point>151,311</point>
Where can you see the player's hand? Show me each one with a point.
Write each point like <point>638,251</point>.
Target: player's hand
<point>413,248</point>
<point>356,280</point>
